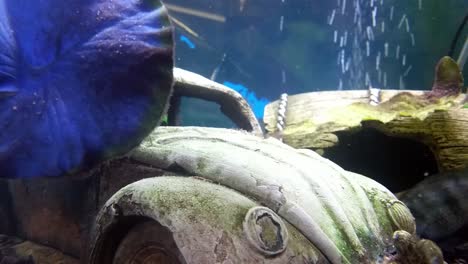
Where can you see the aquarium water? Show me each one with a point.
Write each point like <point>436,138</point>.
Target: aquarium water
<point>272,47</point>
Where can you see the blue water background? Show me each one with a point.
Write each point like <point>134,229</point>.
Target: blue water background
<point>276,46</point>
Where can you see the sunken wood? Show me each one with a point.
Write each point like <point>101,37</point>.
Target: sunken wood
<point>314,119</point>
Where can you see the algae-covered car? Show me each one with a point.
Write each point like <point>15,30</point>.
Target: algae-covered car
<point>210,195</point>
<point>251,200</point>
<point>183,194</point>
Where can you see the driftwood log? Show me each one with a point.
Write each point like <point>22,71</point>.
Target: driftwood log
<point>314,119</point>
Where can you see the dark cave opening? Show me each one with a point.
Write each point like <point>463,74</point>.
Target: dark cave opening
<point>396,163</point>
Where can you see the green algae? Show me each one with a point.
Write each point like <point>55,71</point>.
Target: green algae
<point>192,202</point>
<point>448,82</point>
<point>351,116</point>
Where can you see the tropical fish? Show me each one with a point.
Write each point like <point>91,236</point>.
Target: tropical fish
<point>80,81</point>
<point>439,204</point>
<point>256,103</point>
<point>187,41</point>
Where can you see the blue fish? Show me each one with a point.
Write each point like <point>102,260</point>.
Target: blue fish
<point>257,104</point>
<point>187,41</point>
<point>80,81</point>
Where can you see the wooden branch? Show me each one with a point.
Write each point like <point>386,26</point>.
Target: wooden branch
<point>313,120</point>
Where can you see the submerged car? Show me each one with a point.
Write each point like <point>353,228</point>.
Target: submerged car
<point>207,195</point>
<point>184,194</point>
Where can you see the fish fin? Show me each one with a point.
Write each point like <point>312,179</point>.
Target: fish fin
<point>7,89</point>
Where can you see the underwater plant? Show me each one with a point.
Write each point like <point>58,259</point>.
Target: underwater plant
<point>86,80</point>
<point>448,80</point>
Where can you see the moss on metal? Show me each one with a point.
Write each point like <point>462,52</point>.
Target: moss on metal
<point>343,214</point>
<point>200,214</point>
<point>197,202</point>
